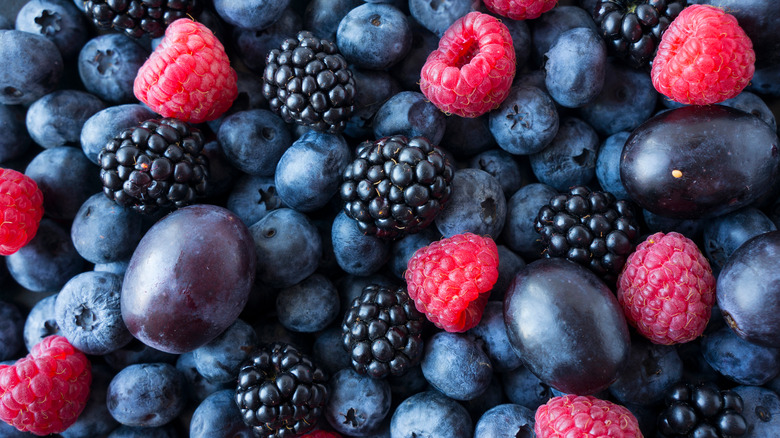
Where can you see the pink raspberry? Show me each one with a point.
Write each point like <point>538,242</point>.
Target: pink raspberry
<point>584,416</point>
<point>667,289</point>
<point>45,392</point>
<point>471,71</point>
<point>450,280</point>
<point>520,9</point>
<point>21,207</point>
<point>704,57</point>
<point>188,76</point>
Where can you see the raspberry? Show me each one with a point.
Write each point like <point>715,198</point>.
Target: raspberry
<point>667,289</point>
<point>584,416</point>
<point>471,71</point>
<point>450,280</point>
<point>321,434</point>
<point>21,204</point>
<point>704,57</point>
<point>520,9</point>
<point>188,76</point>
<point>45,392</point>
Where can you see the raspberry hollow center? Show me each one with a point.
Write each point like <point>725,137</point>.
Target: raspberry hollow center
<point>466,53</point>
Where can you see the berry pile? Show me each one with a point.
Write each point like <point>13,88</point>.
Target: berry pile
<point>460,219</point>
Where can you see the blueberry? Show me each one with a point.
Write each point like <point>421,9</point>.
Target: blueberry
<point>32,67</point>
<point>407,70</point>
<point>253,197</point>
<point>404,248</point>
<point>739,360</point>
<point>374,36</point>
<point>48,261</point>
<point>766,80</point>
<point>506,420</point>
<point>502,166</point>
<point>104,232</point>
<point>438,16</point>
<point>88,313</point>
<point>105,124</point>
<point>454,364</point>
<point>308,306</point>
<point>254,140</point>
<point>409,113</point>
<point>108,65</point>
<point>761,408</point>
<point>41,322</point>
<point>66,178</point>
<point>251,14</point>
<point>309,172</point>
<point>322,17</point>
<point>523,388</point>
<point>724,234</point>
<point>219,360</point>
<point>218,417</point>
<point>492,332</point>
<point>608,164</point>
<point>11,330</point>
<point>56,119</point>
<point>576,67</point>
<point>356,253</point>
<point>146,395</point>
<point>15,140</point>
<point>753,104</point>
<point>198,387</point>
<point>374,88</point>
<point>570,159</point>
<point>94,420</point>
<point>288,247</point>
<point>58,20</point>
<point>477,205</point>
<point>519,234</point>
<point>431,414</point>
<point>526,121</point>
<point>546,29</point>
<point>508,265</point>
<point>252,46</point>
<point>328,351</point>
<point>649,372</point>
<point>357,404</point>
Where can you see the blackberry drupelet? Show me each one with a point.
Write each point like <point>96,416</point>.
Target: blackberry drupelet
<point>157,164</point>
<point>382,330</point>
<point>701,411</point>
<point>633,28</point>
<point>396,185</point>
<point>590,228</point>
<point>308,82</point>
<point>137,18</point>
<point>281,393</point>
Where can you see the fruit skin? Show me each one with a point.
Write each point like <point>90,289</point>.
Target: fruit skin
<point>45,391</point>
<point>108,65</point>
<point>566,325</point>
<point>189,278</point>
<point>505,420</point>
<point>667,289</point>
<point>704,57</point>
<point>58,20</point>
<point>357,404</point>
<point>450,280</point>
<point>218,416</point>
<point>571,415</point>
<point>374,36</point>
<point>471,71</point>
<point>456,365</point>
<point>188,76</point>
<point>741,361</point>
<point>520,9</point>
<point>761,410</point>
<point>477,205</point>
<point>57,118</point>
<point>525,122</point>
<point>32,67</point>
<point>697,162</point>
<point>575,67</point>
<point>21,206</point>
<point>431,414</point>
<point>146,394</point>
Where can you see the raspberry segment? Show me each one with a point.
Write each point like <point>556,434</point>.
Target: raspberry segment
<point>471,71</point>
<point>704,57</point>
<point>520,9</point>
<point>667,289</point>
<point>450,280</point>
<point>188,76</point>
<point>584,416</point>
<point>21,207</point>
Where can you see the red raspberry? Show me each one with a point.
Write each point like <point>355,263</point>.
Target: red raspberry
<point>21,206</point>
<point>471,71</point>
<point>45,392</point>
<point>520,9</point>
<point>704,57</point>
<point>450,280</point>
<point>321,434</point>
<point>667,289</point>
<point>188,76</point>
<point>584,416</point>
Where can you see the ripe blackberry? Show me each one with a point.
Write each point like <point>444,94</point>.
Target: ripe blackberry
<point>590,228</point>
<point>382,330</point>
<point>281,393</point>
<point>307,81</point>
<point>633,28</point>
<point>701,411</point>
<point>396,185</point>
<point>157,164</point>
<point>137,18</point>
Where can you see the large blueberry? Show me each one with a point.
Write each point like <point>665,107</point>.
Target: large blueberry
<point>761,409</point>
<point>409,113</point>
<point>374,36</point>
<point>456,365</point>
<point>549,26</point>
<point>575,67</point>
<point>491,330</point>
<point>41,322</point>
<point>357,253</point>
<point>357,404</point>
<point>649,372</point>
<point>526,121</point>
<point>519,233</point>
<point>753,104</point>
<point>56,119</point>
<point>724,234</point>
<point>570,159</point>
<point>251,14</point>
<point>108,65</point>
<point>218,417</point>
<point>308,306</point>
<point>254,140</point>
<point>219,360</point>
<point>739,360</point>
<point>105,124</point>
<point>32,67</point>
<point>502,166</point>
<point>438,16</point>
<point>431,414</point>
<point>323,16</point>
<point>506,420</point>
<point>58,20</point>
<point>328,351</point>
<point>608,164</point>
<point>477,205</point>
<point>522,387</point>
<point>11,330</point>
<point>253,197</point>
<point>105,232</point>
<point>146,395</point>
<point>252,46</point>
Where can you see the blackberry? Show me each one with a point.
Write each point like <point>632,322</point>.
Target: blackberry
<point>701,411</point>
<point>382,330</point>
<point>157,164</point>
<point>308,82</point>
<point>633,28</point>
<point>590,228</point>
<point>281,393</point>
<point>396,185</point>
<point>137,18</point>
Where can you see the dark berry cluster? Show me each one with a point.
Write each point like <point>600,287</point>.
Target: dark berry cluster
<point>633,28</point>
<point>382,330</point>
<point>702,411</point>
<point>158,164</point>
<point>307,81</point>
<point>591,228</point>
<point>396,185</point>
<point>138,18</point>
